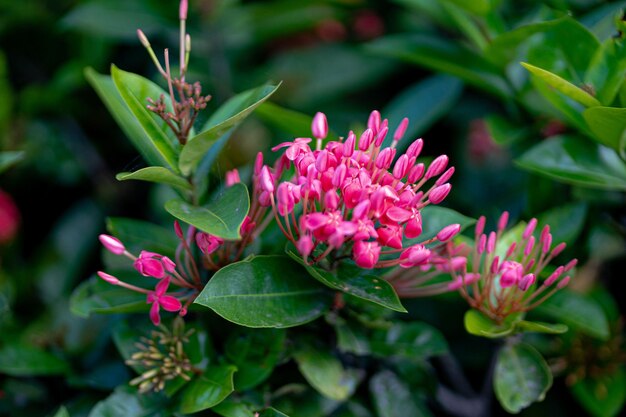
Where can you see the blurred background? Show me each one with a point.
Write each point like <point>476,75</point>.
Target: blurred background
<point>62,149</point>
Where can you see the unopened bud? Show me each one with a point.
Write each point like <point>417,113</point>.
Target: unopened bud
<point>143,39</point>
<point>108,278</point>
<point>112,244</point>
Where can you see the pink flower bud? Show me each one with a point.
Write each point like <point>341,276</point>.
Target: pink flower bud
<point>553,276</point>
<point>511,249</point>
<point>547,242</point>
<point>503,220</point>
<point>361,210</point>
<point>414,256</point>
<point>529,246</point>
<point>319,126</point>
<point>563,283</point>
<point>381,135</point>
<point>482,243</point>
<point>401,129</point>
<point>232,177</point>
<point>348,145</point>
<point>413,227</point>
<point>511,273</point>
<point>480,225</point>
<point>321,162</point>
<point>445,177</point>
<point>571,264</point>
<point>178,230</point>
<point>385,158</point>
<point>258,163</point>
<point>401,167</point>
<point>284,200</point>
<point>530,228</point>
<point>448,232</point>
<point>558,249</point>
<point>373,122</point>
<point>491,242</point>
<point>415,148</point>
<point>208,243</point>
<point>266,180</point>
<point>415,173</point>
<point>247,226</point>
<point>365,254</point>
<point>168,264</point>
<point>466,279</point>
<point>495,264</point>
<point>305,245</point>
<point>437,166</point>
<point>331,200</point>
<point>108,278</point>
<point>526,282</point>
<point>390,236</point>
<point>143,39</point>
<point>438,194</point>
<point>182,10</point>
<point>366,140</point>
<point>112,244</point>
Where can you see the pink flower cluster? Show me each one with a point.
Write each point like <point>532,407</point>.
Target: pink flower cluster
<point>353,197</point>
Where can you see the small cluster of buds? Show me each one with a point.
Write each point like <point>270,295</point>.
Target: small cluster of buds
<point>352,203</point>
<point>163,356</point>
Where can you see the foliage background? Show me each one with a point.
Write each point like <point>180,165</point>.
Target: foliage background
<point>328,55</point>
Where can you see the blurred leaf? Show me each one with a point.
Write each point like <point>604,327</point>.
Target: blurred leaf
<point>480,7</point>
<point>22,360</point>
<point>423,103</point>
<point>566,222</point>
<point>576,160</point>
<point>603,396</point>
<point>108,93</point>
<point>606,70</point>
<point>351,338</point>
<point>255,352</point>
<point>435,218</point>
<point>97,296</point>
<point>466,21</point>
<point>478,324</point>
<point>539,327</point>
<point>143,235</point>
<point>272,412</point>
<point>502,131</point>
<point>62,412</point>
<point>355,281</point>
<point>264,291</point>
<point>233,408</point>
<point>521,377</point>
<point>562,86</point>
<point>608,125</point>
<point>222,217</point>
<point>123,403</point>
<point>156,174</point>
<point>208,389</point>
<point>7,159</point>
<point>577,311</point>
<point>227,117</point>
<point>411,341</point>
<point>293,122</point>
<point>135,90</point>
<point>392,397</point>
<point>325,372</point>
<point>443,56</point>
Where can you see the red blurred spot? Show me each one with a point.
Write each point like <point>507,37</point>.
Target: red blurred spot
<point>9,218</point>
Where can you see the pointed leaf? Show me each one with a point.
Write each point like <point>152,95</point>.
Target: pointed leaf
<point>265,291</point>
<point>222,217</point>
<point>607,69</point>
<point>392,397</point>
<point>521,377</point>
<point>123,403</point>
<point>412,341</point>
<point>295,123</point>
<point>21,360</point>
<point>159,175</point>
<point>539,327</point>
<point>478,324</point>
<point>227,117</point>
<point>208,389</point>
<point>608,124</point>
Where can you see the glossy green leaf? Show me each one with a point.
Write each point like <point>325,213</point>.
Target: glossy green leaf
<point>8,159</point>
<point>142,235</point>
<point>293,122</point>
<point>354,281</point>
<point>62,412</point>
<point>265,291</point>
<point>22,360</point>
<point>539,327</point>
<point>411,340</point>
<point>227,117</point>
<point>478,324</point>
<point>325,373</point>
<point>135,90</point>
<point>607,70</point>
<point>521,377</point>
<point>97,296</point>
<point>566,222</point>
<point>608,125</point>
<point>577,311</point>
<point>159,175</point>
<point>443,56</point>
<point>392,397</point>
<point>603,396</point>
<point>563,86</point>
<point>435,218</point>
<point>272,412</point>
<point>255,352</point>
<point>108,93</point>
<point>222,217</point>
<point>578,161</point>
<point>423,103</point>
<point>233,408</point>
<point>208,389</point>
<point>123,403</point>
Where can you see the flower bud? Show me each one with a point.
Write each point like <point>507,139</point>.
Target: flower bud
<point>319,126</point>
<point>112,244</point>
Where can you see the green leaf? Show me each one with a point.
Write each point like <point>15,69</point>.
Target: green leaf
<point>265,291</point>
<point>325,373</point>
<point>443,56</point>
<point>576,160</point>
<point>354,281</point>
<point>272,412</point>
<point>603,396</point>
<point>412,341</point>
<point>606,70</point>
<point>122,403</point>
<point>392,397</point>
<point>423,103</point>
<point>351,338</point>
<point>233,408</point>
<point>539,327</point>
<point>435,218</point>
<point>503,131</point>
<point>135,90</point>
<point>22,360</point>
<point>577,311</point>
<point>480,7</point>
<point>563,86</point>
<point>255,352</point>
<point>222,217</point>
<point>159,175</point>
<point>295,123</point>
<point>208,389</point>
<point>608,125</point>
<point>97,296</point>
<point>521,377</point>
<point>108,93</point>
<point>478,324</point>
<point>62,412</point>
<point>7,159</point>
<point>566,222</point>
<point>142,235</point>
<point>227,117</point>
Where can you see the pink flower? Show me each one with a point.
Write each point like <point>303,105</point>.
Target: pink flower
<point>366,254</point>
<point>319,126</point>
<point>208,243</point>
<point>159,299</point>
<point>511,273</point>
<point>150,264</point>
<point>232,177</point>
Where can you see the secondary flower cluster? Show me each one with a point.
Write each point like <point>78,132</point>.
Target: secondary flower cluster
<point>350,199</point>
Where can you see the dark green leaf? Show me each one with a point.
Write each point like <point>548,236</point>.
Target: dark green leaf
<point>325,373</point>
<point>603,396</point>
<point>412,341</point>
<point>208,389</point>
<point>608,124</point>
<point>521,377</point>
<point>435,218</point>
<point>351,338</point>
<point>503,131</point>
<point>272,412</point>
<point>134,91</point>
<point>156,174</point>
<point>7,159</point>
<point>222,217</point>
<point>577,311</point>
<point>265,291</point>
<point>578,161</point>
<point>62,412</point>
<point>481,7</point>
<point>354,281</point>
<point>97,296</point>
<point>255,352</point>
<point>293,122</point>
<point>122,403</point>
<point>539,327</point>
<point>478,324</point>
<point>606,70</point>
<point>227,117</point>
<point>22,360</point>
<point>566,222</point>
<point>141,235</point>
<point>232,408</point>
<point>392,397</point>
